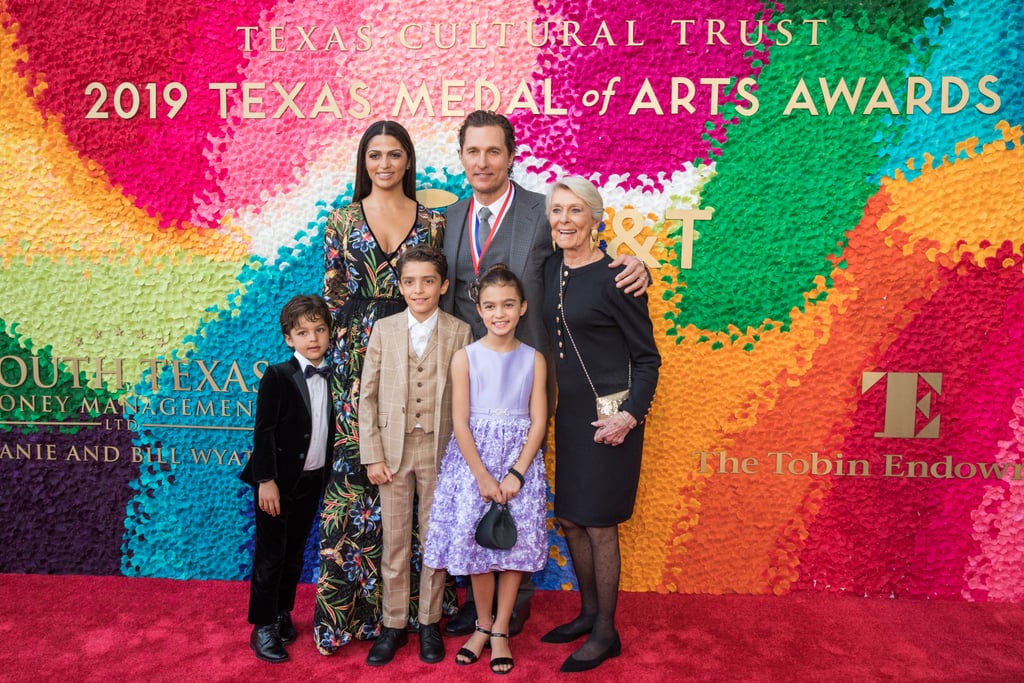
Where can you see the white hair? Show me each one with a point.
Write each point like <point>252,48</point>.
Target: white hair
<point>582,188</point>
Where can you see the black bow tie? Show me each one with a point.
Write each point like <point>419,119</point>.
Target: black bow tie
<point>324,372</point>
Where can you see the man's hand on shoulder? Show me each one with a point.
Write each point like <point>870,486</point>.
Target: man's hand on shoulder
<point>634,279</point>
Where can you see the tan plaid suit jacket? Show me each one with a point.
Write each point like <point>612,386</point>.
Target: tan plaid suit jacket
<point>383,390</point>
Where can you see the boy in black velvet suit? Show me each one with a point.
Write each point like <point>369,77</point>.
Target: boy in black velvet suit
<point>287,469</point>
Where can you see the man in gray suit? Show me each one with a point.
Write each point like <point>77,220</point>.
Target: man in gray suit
<point>503,223</point>
<point>516,230</point>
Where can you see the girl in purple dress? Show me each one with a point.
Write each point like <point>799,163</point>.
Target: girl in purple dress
<point>499,412</point>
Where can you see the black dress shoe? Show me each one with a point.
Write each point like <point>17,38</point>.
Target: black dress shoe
<point>519,616</point>
<point>387,643</point>
<point>286,628</point>
<point>573,665</point>
<point>265,641</point>
<point>463,623</point>
<point>431,644</point>
<point>566,633</point>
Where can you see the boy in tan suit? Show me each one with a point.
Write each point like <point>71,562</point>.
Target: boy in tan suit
<point>405,423</point>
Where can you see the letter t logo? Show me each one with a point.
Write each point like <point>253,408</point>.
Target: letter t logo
<point>688,217</point>
<point>902,402</point>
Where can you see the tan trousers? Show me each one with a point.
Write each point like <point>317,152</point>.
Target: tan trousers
<point>417,474</point>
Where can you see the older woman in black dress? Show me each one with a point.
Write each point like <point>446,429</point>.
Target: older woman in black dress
<point>604,344</point>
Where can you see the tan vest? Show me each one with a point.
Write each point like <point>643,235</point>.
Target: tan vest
<point>419,408</point>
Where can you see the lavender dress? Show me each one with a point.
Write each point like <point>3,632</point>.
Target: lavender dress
<point>499,399</point>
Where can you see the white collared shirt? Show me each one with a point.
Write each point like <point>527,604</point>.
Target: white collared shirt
<point>318,397</point>
<point>419,332</point>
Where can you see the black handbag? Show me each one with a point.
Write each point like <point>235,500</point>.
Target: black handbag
<point>496,528</point>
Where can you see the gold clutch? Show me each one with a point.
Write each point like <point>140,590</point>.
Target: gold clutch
<point>608,404</point>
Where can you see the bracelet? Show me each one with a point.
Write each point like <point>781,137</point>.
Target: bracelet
<point>515,473</point>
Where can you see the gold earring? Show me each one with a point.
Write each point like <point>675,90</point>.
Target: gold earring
<point>593,237</point>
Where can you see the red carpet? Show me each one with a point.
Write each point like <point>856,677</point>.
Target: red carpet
<point>118,629</point>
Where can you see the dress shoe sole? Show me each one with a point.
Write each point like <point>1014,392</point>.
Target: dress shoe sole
<point>380,660</point>
<point>264,658</point>
<point>573,665</point>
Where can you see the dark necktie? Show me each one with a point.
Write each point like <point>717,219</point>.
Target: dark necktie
<point>483,229</point>
<point>324,372</point>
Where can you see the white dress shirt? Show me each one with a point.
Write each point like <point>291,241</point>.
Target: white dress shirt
<point>419,332</point>
<point>318,397</point>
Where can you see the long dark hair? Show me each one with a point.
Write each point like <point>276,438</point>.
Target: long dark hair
<point>395,130</point>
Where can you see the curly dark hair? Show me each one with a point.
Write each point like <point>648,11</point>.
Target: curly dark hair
<point>309,306</point>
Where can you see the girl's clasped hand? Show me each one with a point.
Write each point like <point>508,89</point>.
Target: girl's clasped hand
<point>501,492</point>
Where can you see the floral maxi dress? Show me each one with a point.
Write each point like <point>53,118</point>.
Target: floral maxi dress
<point>360,286</point>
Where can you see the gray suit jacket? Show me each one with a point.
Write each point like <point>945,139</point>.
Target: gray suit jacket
<point>384,388</point>
<point>523,243</point>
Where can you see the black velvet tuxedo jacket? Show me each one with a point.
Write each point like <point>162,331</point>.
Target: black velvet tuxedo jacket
<point>284,427</point>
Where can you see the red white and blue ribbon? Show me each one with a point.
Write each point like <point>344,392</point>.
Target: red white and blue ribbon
<point>475,248</point>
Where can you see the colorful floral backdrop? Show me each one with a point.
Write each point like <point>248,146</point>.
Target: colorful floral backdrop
<point>858,244</point>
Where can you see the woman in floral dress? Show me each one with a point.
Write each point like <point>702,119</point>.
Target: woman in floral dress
<point>362,243</point>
